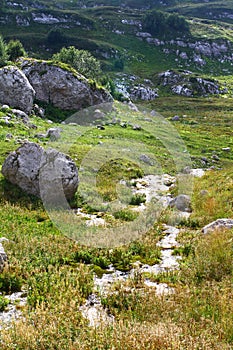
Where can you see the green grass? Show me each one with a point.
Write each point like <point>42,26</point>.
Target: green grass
<point>57,272</point>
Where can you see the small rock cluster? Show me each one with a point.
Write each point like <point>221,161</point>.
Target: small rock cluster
<point>185,83</point>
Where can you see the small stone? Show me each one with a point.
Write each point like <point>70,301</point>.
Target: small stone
<point>226,149</point>
<point>176,118</point>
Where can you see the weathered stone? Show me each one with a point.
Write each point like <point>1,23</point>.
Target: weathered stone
<point>3,258</point>
<point>61,87</point>
<point>182,202</point>
<point>219,224</point>
<point>15,89</point>
<point>34,170</point>
<point>53,133</point>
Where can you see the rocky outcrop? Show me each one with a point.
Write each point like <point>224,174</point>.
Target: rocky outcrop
<point>62,87</point>
<point>133,88</point>
<point>41,172</point>
<point>185,83</point>
<point>15,89</point>
<point>219,224</point>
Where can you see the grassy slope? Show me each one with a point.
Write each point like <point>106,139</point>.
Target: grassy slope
<point>49,266</point>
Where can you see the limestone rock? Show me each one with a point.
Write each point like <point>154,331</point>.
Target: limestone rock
<point>15,89</point>
<point>182,202</point>
<point>218,225</point>
<point>3,258</point>
<point>39,172</point>
<point>61,87</point>
<point>186,84</point>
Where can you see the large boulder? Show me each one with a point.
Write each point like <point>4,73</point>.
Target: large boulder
<point>41,172</point>
<point>63,87</point>
<point>15,89</point>
<point>219,224</point>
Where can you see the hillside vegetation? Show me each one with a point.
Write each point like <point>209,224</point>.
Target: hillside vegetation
<point>56,263</point>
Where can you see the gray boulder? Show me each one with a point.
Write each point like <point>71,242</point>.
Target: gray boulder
<point>64,88</point>
<point>15,89</point>
<point>3,258</point>
<point>41,172</point>
<point>182,202</point>
<point>218,224</point>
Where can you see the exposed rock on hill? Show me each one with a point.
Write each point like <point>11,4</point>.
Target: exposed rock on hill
<point>63,88</point>
<point>219,224</point>
<point>15,89</point>
<point>185,83</point>
<point>134,88</point>
<point>41,172</point>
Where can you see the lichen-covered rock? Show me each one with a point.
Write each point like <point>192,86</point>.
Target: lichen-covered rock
<point>39,172</point>
<point>64,88</point>
<point>218,224</point>
<point>15,89</point>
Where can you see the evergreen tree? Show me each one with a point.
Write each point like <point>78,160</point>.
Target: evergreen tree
<point>3,52</point>
<point>15,50</point>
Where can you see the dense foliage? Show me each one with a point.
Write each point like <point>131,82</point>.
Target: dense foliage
<point>81,60</point>
<point>11,51</point>
<point>15,50</point>
<point>3,52</point>
<point>163,24</point>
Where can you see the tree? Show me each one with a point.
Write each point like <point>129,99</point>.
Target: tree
<point>81,60</point>
<point>15,50</point>
<point>56,37</point>
<point>3,52</point>
<point>163,24</point>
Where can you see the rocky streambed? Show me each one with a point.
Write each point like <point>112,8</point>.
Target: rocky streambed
<point>153,187</point>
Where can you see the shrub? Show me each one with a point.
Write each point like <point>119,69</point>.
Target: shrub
<point>3,303</point>
<point>81,60</point>
<point>138,198</point>
<point>160,23</point>
<point>125,215</point>
<point>9,283</point>
<point>15,50</point>
<point>3,52</point>
<point>212,258</point>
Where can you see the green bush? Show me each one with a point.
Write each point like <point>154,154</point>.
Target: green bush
<point>81,60</point>
<point>212,258</point>
<point>3,52</point>
<point>3,303</point>
<point>125,215</point>
<point>162,24</point>
<point>138,198</point>
<point>15,50</point>
<point>10,283</point>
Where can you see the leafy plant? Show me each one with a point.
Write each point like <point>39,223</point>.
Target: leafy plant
<point>10,282</point>
<point>3,52</point>
<point>81,60</point>
<point>125,215</point>
<point>15,50</point>
<point>3,303</point>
